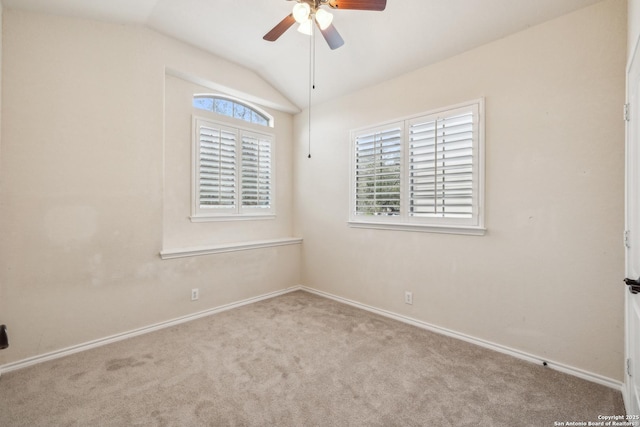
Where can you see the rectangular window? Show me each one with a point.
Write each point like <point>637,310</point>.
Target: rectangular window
<point>423,173</point>
<point>232,174</point>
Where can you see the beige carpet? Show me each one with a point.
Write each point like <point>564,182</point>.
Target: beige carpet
<point>296,360</point>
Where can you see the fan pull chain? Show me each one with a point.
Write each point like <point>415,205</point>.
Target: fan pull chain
<point>312,78</point>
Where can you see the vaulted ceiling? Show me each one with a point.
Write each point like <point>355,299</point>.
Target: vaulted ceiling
<point>408,35</point>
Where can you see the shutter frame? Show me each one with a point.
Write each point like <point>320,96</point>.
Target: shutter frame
<point>231,165</point>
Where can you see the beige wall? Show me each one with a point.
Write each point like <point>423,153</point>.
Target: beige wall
<point>82,185</point>
<point>546,278</point>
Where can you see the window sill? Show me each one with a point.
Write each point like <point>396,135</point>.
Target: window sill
<point>246,217</point>
<point>229,247</point>
<point>451,229</point>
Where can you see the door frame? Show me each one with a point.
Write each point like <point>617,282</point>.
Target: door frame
<point>632,203</point>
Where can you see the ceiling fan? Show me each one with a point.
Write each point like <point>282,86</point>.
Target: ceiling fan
<point>305,12</point>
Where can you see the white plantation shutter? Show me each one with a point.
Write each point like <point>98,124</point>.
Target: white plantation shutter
<point>233,174</point>
<point>423,173</point>
<point>442,165</point>
<point>217,166</point>
<point>256,171</point>
<point>378,156</point>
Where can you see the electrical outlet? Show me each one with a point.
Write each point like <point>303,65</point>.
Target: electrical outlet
<point>408,297</point>
<point>195,294</point>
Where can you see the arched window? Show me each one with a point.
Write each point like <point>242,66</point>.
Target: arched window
<point>232,108</point>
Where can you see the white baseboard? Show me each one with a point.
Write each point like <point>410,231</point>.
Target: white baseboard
<point>577,372</point>
<point>589,376</point>
<point>140,331</point>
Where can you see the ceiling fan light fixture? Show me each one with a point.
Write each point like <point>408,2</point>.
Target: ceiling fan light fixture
<point>306,27</point>
<point>301,12</point>
<point>323,18</point>
<point>308,13</point>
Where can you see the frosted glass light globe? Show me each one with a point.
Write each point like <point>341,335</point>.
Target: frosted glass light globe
<point>301,12</point>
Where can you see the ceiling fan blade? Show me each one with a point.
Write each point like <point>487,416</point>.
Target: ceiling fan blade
<point>331,35</point>
<point>280,28</point>
<point>359,4</point>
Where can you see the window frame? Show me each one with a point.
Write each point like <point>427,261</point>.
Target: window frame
<point>404,221</point>
<point>238,211</point>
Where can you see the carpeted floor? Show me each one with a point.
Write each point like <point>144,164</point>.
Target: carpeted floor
<point>296,360</point>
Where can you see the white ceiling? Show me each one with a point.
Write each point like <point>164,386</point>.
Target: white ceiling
<point>408,35</point>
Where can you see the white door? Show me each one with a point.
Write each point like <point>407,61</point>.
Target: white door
<point>632,238</point>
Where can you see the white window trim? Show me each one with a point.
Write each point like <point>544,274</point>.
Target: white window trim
<point>425,228</point>
<point>404,222</point>
<point>238,213</point>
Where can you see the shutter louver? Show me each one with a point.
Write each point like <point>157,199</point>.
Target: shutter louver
<point>217,167</point>
<point>256,171</point>
<point>441,166</point>
<point>378,167</point>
